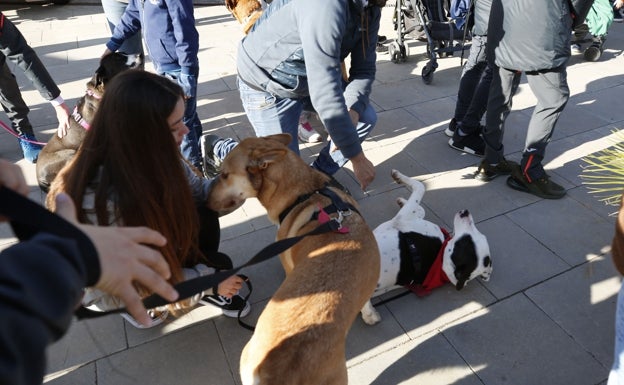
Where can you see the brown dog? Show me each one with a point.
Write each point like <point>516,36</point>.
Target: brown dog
<point>300,336</point>
<point>58,151</point>
<point>245,11</point>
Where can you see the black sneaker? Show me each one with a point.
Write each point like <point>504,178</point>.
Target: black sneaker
<point>486,172</point>
<point>452,127</point>
<point>594,51</point>
<point>231,307</point>
<point>543,187</point>
<point>470,144</point>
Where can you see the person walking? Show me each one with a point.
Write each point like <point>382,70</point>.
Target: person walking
<point>548,26</point>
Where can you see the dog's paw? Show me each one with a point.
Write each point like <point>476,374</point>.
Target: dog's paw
<point>370,316</point>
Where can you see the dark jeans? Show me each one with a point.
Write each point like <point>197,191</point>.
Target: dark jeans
<point>474,87</point>
<point>209,239</point>
<point>13,46</point>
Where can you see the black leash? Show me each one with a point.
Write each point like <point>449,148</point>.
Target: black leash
<point>28,218</point>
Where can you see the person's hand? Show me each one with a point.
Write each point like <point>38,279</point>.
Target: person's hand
<point>618,4</point>
<point>125,257</point>
<point>363,169</point>
<point>230,286</point>
<point>62,115</point>
<point>11,176</point>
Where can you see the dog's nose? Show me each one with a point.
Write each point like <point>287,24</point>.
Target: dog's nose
<point>464,213</point>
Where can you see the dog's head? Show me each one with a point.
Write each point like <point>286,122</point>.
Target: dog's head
<point>243,170</point>
<point>245,11</point>
<point>111,65</point>
<point>467,254</point>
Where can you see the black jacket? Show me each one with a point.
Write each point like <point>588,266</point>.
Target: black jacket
<point>41,281</point>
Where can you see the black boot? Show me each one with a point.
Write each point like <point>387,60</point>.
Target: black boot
<point>594,51</point>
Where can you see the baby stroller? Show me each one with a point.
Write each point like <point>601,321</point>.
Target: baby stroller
<point>427,20</point>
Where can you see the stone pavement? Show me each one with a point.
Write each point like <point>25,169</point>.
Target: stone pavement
<point>546,315</point>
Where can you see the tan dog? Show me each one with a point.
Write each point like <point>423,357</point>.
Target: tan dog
<point>245,11</point>
<point>300,336</point>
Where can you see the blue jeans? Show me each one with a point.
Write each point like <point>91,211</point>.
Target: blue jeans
<point>616,376</point>
<point>113,10</point>
<point>270,114</point>
<point>190,143</point>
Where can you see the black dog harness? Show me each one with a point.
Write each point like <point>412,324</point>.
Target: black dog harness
<point>339,206</point>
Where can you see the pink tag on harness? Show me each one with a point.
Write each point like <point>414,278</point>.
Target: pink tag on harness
<point>323,217</point>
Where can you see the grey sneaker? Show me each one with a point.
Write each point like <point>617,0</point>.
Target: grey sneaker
<point>486,172</point>
<point>211,162</point>
<point>543,187</point>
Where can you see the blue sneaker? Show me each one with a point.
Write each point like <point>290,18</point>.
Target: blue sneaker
<point>31,150</point>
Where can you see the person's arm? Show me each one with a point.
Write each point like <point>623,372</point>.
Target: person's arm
<point>187,43</point>
<point>129,25</point>
<point>14,46</point>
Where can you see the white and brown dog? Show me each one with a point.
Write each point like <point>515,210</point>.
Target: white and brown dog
<point>420,255</point>
<point>300,336</point>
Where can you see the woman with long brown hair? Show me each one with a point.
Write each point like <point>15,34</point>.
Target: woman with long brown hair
<point>129,171</point>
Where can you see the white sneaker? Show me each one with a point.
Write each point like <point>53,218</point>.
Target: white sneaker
<point>306,132</point>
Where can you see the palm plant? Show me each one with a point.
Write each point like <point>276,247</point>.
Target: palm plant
<point>604,172</point>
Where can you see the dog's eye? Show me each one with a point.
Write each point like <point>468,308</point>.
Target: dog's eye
<point>487,261</point>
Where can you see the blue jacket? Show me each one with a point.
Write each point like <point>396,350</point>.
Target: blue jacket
<point>295,48</point>
<point>169,31</point>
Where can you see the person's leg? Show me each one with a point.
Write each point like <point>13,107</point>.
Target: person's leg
<point>271,115</point>
<point>476,110</point>
<point>471,76</point>
<point>12,101</point>
<point>616,375</point>
<point>190,143</point>
<point>113,10</point>
<point>504,83</point>
<point>552,93</point>
<point>330,160</point>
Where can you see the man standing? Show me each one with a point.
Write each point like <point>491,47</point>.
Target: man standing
<point>290,59</point>
<point>531,37</point>
<point>172,42</point>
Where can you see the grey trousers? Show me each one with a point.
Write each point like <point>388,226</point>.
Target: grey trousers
<point>551,90</point>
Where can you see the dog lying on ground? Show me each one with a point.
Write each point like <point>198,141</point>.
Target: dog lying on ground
<point>420,255</point>
<point>58,151</point>
<point>300,336</point>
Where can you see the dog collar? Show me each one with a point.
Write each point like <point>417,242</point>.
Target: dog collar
<point>79,119</point>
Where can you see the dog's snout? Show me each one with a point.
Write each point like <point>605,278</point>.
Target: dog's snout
<point>464,213</point>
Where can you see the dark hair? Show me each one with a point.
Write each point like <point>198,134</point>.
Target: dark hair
<point>131,147</point>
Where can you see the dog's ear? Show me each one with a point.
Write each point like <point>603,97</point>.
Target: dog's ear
<point>100,77</point>
<point>266,158</point>
<point>282,138</point>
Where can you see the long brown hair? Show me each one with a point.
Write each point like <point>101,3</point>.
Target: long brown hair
<point>131,142</point>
